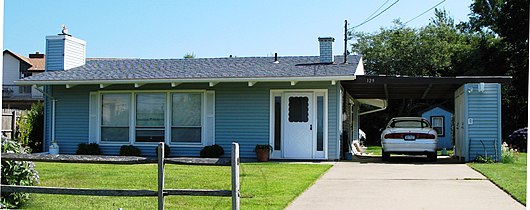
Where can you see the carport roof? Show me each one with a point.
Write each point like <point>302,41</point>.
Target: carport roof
<point>399,87</point>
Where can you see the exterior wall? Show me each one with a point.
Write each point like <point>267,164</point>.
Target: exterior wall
<point>478,121</point>
<point>11,70</point>
<point>74,51</point>
<point>54,54</point>
<point>241,115</point>
<point>484,112</point>
<point>447,140</point>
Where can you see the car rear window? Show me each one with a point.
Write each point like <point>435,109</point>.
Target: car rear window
<point>409,124</point>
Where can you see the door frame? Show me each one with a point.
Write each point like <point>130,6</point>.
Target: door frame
<point>278,154</point>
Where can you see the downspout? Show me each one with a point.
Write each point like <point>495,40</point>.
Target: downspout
<point>53,111</point>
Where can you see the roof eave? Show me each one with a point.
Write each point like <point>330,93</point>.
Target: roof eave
<point>333,79</point>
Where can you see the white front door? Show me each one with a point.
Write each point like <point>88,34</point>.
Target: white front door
<point>298,125</point>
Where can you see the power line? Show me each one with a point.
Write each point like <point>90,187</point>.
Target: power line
<point>366,21</point>
<point>377,10</point>
<point>425,11</point>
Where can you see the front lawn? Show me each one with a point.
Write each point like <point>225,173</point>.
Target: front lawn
<point>263,185</point>
<point>511,177</point>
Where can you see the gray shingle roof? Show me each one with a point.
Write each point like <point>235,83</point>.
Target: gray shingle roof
<point>201,68</point>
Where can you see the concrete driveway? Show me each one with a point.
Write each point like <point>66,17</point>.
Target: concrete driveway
<point>398,185</point>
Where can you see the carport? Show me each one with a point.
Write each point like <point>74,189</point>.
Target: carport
<point>477,122</point>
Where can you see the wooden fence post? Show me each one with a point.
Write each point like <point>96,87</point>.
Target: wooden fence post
<point>13,124</point>
<point>161,176</point>
<point>235,177</point>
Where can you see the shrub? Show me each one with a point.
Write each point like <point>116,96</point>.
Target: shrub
<point>30,127</point>
<point>88,149</point>
<point>484,159</point>
<point>130,150</point>
<point>508,155</point>
<point>16,173</point>
<point>213,151</point>
<point>167,150</point>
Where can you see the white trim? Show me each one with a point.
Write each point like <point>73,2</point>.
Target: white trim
<point>137,85</point>
<point>293,83</point>
<point>167,121</point>
<point>175,84</point>
<point>101,86</point>
<point>250,84</point>
<point>68,86</point>
<point>211,84</point>
<point>191,80</point>
<point>316,92</point>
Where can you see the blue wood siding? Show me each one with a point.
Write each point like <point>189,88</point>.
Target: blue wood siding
<point>54,54</point>
<point>241,115</point>
<point>485,111</point>
<point>447,140</point>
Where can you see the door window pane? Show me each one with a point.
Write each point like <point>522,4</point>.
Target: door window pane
<point>277,122</point>
<point>150,112</point>
<point>186,117</point>
<point>320,123</point>
<point>298,109</point>
<point>115,117</point>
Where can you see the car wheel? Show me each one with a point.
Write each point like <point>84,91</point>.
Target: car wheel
<point>432,156</point>
<point>385,155</point>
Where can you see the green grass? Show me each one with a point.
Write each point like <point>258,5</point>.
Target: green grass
<point>376,150</point>
<point>263,185</point>
<point>511,177</point>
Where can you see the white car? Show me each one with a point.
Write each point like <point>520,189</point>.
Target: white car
<point>409,135</point>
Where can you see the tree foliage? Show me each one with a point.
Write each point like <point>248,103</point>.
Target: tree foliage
<point>30,128</point>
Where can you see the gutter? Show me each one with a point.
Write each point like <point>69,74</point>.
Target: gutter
<point>385,105</point>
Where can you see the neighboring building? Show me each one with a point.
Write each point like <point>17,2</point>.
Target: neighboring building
<point>299,105</point>
<point>17,67</point>
<point>441,121</point>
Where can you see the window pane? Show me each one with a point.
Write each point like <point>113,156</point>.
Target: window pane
<point>115,109</point>
<point>277,122</point>
<point>186,109</point>
<point>186,135</point>
<point>298,109</point>
<point>150,109</point>
<point>320,123</point>
<point>149,135</point>
<point>115,134</point>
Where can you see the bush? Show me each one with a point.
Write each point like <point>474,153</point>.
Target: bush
<point>88,149</point>
<point>130,150</point>
<point>30,128</point>
<point>484,159</point>
<point>167,150</point>
<point>518,139</point>
<point>508,155</point>
<point>16,173</point>
<point>213,151</point>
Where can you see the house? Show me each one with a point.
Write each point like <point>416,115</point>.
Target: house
<point>16,67</point>
<point>305,107</point>
<point>441,121</point>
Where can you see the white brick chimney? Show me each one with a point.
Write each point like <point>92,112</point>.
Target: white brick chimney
<point>64,52</point>
<point>326,49</point>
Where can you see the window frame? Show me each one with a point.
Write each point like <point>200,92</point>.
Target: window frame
<point>167,120</point>
<point>442,134</point>
<point>100,120</point>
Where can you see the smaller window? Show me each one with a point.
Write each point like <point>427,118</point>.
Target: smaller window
<point>438,125</point>
<point>298,109</point>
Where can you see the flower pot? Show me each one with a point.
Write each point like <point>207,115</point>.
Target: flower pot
<point>262,155</point>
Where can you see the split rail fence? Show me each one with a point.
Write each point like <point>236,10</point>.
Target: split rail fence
<point>160,193</point>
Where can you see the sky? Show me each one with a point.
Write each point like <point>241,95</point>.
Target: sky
<point>213,28</point>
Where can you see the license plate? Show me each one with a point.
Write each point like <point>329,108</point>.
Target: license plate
<point>410,137</point>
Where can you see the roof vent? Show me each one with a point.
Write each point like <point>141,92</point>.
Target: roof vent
<point>276,58</point>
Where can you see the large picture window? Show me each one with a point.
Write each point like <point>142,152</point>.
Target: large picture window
<point>115,109</point>
<point>150,112</point>
<point>186,117</point>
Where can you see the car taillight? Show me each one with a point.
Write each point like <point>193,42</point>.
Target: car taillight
<point>425,136</point>
<point>394,136</point>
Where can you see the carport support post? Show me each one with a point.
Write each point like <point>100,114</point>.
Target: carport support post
<point>160,176</point>
<point>235,177</point>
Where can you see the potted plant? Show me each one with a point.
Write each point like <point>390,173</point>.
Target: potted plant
<point>262,152</point>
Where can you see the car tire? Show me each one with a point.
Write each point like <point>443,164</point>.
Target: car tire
<point>385,155</point>
<point>432,156</point>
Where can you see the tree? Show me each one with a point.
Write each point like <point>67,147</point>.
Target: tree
<point>509,21</point>
<point>189,55</point>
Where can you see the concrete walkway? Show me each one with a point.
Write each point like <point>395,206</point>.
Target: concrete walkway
<point>354,185</point>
